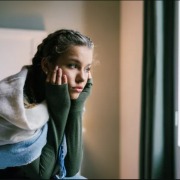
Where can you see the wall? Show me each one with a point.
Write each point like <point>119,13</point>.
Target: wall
<point>99,20</point>
<point>131,26</point>
<point>19,44</point>
<point>102,136</point>
<point>40,15</point>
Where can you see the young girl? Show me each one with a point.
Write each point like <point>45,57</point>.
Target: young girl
<point>41,110</point>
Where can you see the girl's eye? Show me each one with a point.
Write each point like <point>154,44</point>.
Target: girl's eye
<point>88,69</point>
<point>72,66</point>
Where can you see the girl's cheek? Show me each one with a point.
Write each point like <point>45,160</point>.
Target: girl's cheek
<point>64,72</point>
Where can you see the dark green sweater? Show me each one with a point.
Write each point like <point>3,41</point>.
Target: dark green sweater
<point>65,117</point>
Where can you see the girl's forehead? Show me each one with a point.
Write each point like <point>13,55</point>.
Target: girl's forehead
<point>81,54</point>
<point>78,49</point>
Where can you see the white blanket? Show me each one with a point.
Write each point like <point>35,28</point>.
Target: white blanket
<point>17,123</point>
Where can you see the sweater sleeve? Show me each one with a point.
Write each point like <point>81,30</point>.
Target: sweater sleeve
<point>73,132</point>
<point>58,104</point>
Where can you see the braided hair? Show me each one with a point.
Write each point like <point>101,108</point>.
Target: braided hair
<point>57,43</point>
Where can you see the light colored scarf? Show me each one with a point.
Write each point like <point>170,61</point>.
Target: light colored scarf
<point>17,123</point>
<point>24,152</point>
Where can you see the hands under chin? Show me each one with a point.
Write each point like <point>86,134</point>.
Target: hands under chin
<point>77,99</point>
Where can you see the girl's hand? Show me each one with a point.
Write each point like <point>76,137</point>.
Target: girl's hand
<point>57,94</point>
<point>56,76</point>
<point>89,75</point>
<point>87,89</point>
<point>78,104</point>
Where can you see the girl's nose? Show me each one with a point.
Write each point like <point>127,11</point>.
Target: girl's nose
<point>80,76</point>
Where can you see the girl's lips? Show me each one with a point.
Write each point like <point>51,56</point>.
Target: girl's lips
<point>77,89</point>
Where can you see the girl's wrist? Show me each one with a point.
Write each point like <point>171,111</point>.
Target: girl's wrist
<point>58,95</point>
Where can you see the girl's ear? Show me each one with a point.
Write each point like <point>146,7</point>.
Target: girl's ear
<point>45,65</point>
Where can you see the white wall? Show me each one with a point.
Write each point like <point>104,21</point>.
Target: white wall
<point>131,35</point>
<point>99,20</point>
<point>17,48</point>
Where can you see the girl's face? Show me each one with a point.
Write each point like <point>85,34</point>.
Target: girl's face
<point>76,64</point>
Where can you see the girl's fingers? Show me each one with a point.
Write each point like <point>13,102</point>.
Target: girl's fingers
<point>89,75</point>
<point>59,76</point>
<point>64,79</point>
<point>53,75</point>
<point>56,77</point>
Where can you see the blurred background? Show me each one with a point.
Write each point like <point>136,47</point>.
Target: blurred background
<point>112,117</point>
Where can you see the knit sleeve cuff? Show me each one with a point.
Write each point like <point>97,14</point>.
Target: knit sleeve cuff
<point>57,95</point>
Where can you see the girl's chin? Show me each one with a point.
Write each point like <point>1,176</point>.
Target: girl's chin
<point>74,96</point>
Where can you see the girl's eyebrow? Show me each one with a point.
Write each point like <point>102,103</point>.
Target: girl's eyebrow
<point>77,61</point>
